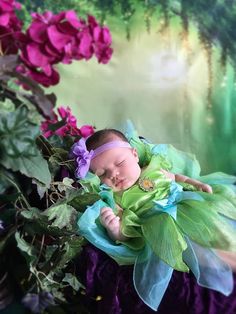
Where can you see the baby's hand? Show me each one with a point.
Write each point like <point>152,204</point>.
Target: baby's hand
<point>111,222</point>
<point>204,188</point>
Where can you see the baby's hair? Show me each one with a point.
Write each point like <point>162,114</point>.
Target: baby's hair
<point>104,136</point>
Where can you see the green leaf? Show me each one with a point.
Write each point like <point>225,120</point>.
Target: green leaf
<point>66,184</point>
<point>62,214</point>
<point>9,198</point>
<point>50,249</point>
<point>7,106</point>
<point>80,199</point>
<point>32,166</point>
<point>72,281</point>
<point>32,213</point>
<point>38,224</point>
<point>48,281</point>
<point>27,249</point>
<point>58,295</point>
<point>41,227</point>
<point>72,247</point>
<point>18,134</point>
<point>60,158</point>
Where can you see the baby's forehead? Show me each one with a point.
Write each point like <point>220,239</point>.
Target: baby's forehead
<point>112,137</point>
<point>110,155</point>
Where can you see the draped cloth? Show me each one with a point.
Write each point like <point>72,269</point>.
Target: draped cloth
<point>113,286</point>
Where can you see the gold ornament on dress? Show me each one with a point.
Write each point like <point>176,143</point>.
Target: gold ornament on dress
<point>146,184</point>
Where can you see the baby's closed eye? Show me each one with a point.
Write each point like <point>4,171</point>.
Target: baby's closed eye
<point>120,163</point>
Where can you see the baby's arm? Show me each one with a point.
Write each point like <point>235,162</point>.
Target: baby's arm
<point>181,178</point>
<point>112,223</point>
<point>200,186</point>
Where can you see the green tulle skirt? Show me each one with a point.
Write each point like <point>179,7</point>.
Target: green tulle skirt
<point>166,215</point>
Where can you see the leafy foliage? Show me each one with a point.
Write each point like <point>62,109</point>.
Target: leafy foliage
<point>40,199</point>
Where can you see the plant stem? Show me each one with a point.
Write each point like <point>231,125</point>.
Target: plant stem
<point>18,189</point>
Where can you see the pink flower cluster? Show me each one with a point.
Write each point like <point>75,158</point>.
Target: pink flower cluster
<point>10,25</point>
<point>63,37</point>
<point>69,126</point>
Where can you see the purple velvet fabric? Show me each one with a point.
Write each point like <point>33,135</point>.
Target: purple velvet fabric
<point>103,277</point>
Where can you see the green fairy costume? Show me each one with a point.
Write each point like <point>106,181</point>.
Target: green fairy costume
<point>168,225</point>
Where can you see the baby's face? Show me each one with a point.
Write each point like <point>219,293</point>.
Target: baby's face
<point>117,167</point>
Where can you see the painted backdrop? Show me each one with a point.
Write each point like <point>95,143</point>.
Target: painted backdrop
<point>172,73</point>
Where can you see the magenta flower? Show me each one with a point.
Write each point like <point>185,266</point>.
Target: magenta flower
<point>86,130</point>
<point>44,79</point>
<point>53,38</point>
<point>10,25</point>
<point>69,127</point>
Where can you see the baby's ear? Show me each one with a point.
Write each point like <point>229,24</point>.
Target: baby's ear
<point>135,153</point>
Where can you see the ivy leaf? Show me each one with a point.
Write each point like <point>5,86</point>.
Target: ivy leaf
<point>37,223</point>
<point>48,283</point>
<point>66,184</point>
<point>41,227</point>
<point>72,281</point>
<point>62,214</point>
<point>50,249</point>
<point>33,213</point>
<point>27,249</point>
<point>80,199</point>
<point>72,247</point>
<point>60,158</point>
<point>58,295</point>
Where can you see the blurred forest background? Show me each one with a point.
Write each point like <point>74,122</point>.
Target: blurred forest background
<point>172,73</point>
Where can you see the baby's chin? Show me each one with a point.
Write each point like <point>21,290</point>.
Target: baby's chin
<point>122,186</point>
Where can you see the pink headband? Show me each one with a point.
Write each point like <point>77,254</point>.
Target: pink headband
<point>108,146</point>
<point>84,157</point>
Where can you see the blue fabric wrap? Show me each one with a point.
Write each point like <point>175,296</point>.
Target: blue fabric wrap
<point>90,227</point>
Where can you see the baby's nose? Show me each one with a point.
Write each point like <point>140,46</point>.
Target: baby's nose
<point>114,174</point>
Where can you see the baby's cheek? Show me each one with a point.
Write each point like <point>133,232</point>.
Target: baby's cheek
<point>106,181</point>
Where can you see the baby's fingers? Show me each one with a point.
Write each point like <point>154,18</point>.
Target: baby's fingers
<point>114,222</point>
<point>105,210</point>
<point>207,188</point>
<point>106,216</point>
<point>109,221</point>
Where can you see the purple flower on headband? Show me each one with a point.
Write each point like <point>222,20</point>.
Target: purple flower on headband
<point>83,158</point>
